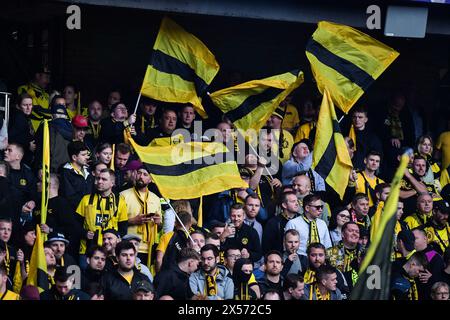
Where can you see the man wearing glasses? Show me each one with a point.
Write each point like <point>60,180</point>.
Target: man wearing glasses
<point>309,226</point>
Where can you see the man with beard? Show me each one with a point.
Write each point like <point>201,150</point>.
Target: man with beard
<point>58,243</point>
<point>346,255</point>
<point>100,211</point>
<point>117,283</point>
<point>96,261</point>
<point>251,208</point>
<point>121,156</point>
<point>175,280</point>
<point>274,230</point>
<point>144,211</point>
<point>95,111</point>
<point>273,262</point>
<point>438,229</point>
<point>212,279</point>
<point>110,240</point>
<point>423,214</point>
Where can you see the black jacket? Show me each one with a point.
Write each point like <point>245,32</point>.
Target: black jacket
<point>273,233</point>
<point>245,237</point>
<point>73,294</point>
<point>111,131</point>
<point>89,277</point>
<point>176,243</point>
<point>74,186</point>
<point>173,282</point>
<point>115,287</point>
<point>21,131</point>
<point>23,184</point>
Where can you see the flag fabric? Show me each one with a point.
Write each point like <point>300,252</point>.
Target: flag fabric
<point>190,170</point>
<point>45,172</point>
<point>331,159</point>
<point>249,105</point>
<point>17,279</point>
<point>346,61</point>
<point>181,67</point>
<point>380,249</point>
<point>37,276</point>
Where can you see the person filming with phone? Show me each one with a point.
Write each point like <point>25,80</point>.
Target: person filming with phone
<point>239,235</point>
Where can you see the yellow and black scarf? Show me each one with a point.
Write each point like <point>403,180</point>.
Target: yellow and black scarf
<point>309,276</point>
<point>313,230</point>
<point>211,285</point>
<point>319,296</point>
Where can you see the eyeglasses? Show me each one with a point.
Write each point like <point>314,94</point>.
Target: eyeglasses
<point>344,216</point>
<point>318,207</point>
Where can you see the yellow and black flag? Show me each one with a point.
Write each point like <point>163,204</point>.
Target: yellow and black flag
<point>45,172</point>
<point>346,61</point>
<point>191,170</point>
<point>37,276</point>
<point>331,159</point>
<point>374,282</point>
<point>249,105</point>
<point>181,67</point>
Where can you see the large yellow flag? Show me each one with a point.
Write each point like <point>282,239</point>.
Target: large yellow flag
<point>331,159</point>
<point>346,61</point>
<point>249,105</point>
<point>181,67</point>
<point>45,172</point>
<point>37,276</point>
<point>190,170</point>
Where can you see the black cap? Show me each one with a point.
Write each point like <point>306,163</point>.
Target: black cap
<point>442,205</point>
<point>143,285</point>
<point>113,231</point>
<point>407,238</point>
<point>59,109</point>
<point>61,274</point>
<point>56,236</point>
<point>42,69</point>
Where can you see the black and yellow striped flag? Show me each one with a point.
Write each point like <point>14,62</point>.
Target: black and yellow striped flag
<point>331,159</point>
<point>346,61</point>
<point>45,172</point>
<point>181,67</point>
<point>190,170</point>
<point>375,271</point>
<point>249,105</point>
<point>37,276</point>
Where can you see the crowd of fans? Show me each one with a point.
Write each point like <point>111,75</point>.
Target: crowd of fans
<point>288,236</point>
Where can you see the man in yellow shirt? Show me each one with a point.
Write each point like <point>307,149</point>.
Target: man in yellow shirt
<point>144,212</point>
<point>100,211</point>
<point>423,213</point>
<point>41,99</point>
<point>367,180</point>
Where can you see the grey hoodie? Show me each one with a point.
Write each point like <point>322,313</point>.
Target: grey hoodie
<point>225,286</point>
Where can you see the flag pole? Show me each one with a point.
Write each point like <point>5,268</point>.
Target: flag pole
<point>179,220</point>
<point>137,103</point>
<point>339,121</point>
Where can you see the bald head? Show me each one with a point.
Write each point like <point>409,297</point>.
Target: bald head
<point>302,185</point>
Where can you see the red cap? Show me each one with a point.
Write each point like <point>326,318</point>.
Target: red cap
<point>80,121</point>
